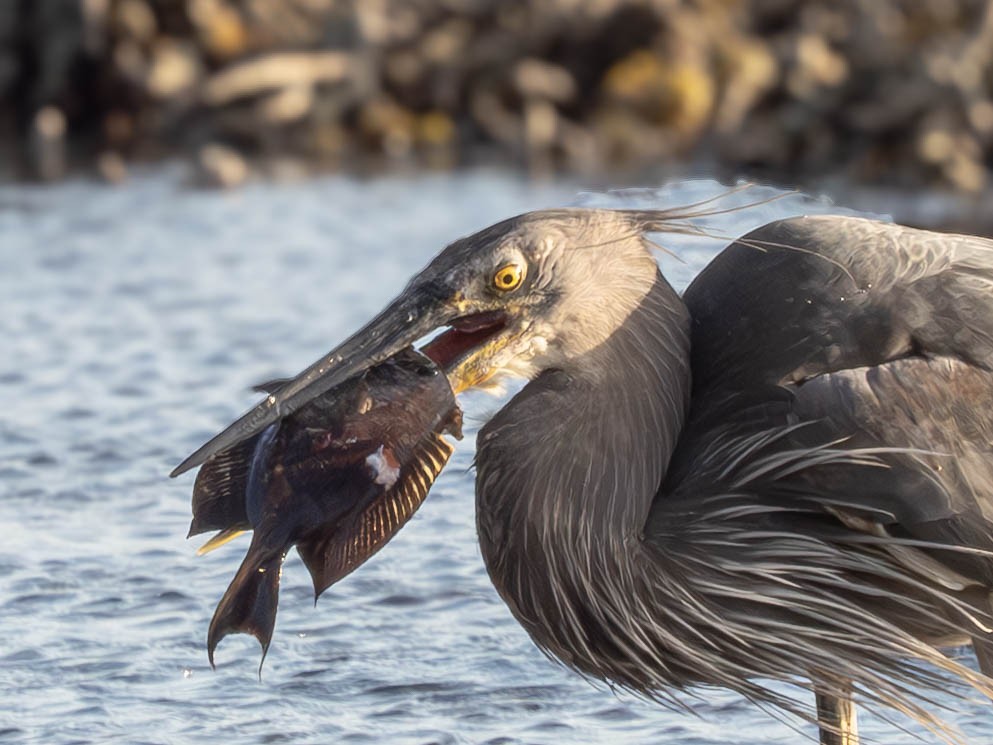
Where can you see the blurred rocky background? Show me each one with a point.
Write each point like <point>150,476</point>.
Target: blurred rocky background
<point>874,92</point>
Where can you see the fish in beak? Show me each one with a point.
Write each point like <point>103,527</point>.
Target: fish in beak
<point>401,324</point>
<point>337,478</point>
<point>467,352</point>
<point>336,460</point>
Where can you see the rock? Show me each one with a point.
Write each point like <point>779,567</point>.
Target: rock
<point>175,69</point>
<point>443,44</point>
<point>112,168</point>
<point>130,63</point>
<point>678,98</point>
<point>135,20</point>
<point>118,128</point>
<point>751,71</point>
<point>48,144</point>
<point>277,71</point>
<point>981,117</point>
<point>435,129</point>
<point>220,27</point>
<point>221,166</point>
<point>535,78</point>
<point>540,125</point>
<point>390,125</point>
<point>290,104</point>
<point>816,66</point>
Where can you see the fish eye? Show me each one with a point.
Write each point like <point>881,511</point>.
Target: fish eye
<point>508,277</point>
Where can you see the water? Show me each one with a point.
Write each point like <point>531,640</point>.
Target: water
<point>133,322</point>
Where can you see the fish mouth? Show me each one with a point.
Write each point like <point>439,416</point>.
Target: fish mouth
<point>459,349</point>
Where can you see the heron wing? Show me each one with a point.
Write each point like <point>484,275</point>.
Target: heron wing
<point>807,310</point>
<point>931,505</point>
<point>807,296</point>
<point>841,393</point>
<point>932,426</point>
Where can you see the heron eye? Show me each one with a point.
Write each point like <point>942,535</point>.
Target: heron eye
<point>508,277</point>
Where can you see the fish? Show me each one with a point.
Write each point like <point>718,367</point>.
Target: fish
<point>337,479</point>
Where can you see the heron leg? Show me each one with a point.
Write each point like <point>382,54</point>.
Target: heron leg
<point>837,717</point>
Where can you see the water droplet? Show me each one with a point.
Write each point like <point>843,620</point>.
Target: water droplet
<point>302,634</point>
<point>271,399</point>
<point>187,673</point>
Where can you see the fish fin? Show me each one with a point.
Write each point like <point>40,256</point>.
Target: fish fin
<point>271,386</point>
<point>225,536</point>
<point>249,604</point>
<point>331,556</point>
<point>219,490</point>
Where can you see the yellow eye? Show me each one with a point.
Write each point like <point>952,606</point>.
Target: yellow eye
<point>508,277</point>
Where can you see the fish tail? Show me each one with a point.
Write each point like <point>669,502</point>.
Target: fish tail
<point>249,604</point>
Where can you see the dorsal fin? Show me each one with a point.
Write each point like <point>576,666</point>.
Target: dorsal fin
<point>271,386</point>
<point>359,536</point>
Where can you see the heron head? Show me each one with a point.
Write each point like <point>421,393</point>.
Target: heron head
<point>533,292</point>
<point>529,293</point>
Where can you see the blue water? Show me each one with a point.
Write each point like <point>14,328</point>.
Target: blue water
<point>132,322</point>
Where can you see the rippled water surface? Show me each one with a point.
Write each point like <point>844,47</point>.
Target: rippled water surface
<point>133,322</point>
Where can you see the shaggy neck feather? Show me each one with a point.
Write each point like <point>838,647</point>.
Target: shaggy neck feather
<point>566,474</point>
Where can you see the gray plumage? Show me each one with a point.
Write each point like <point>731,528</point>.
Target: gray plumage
<point>785,474</point>
<point>824,455</point>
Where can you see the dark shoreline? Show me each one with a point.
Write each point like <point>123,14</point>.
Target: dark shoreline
<point>880,94</point>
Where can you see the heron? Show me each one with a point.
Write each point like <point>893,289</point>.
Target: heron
<point>783,474</point>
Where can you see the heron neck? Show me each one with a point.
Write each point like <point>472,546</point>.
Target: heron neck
<point>567,471</point>
<point>635,392</point>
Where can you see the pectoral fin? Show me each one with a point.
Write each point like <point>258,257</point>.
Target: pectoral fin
<point>359,536</point>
